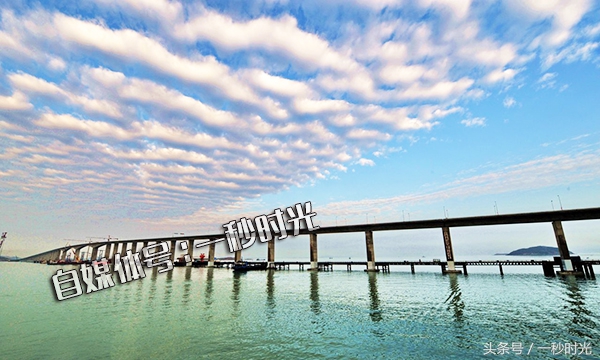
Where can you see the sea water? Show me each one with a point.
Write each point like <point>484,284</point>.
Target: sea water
<point>196,313</point>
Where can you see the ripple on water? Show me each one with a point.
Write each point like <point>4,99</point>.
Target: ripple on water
<point>195,313</point>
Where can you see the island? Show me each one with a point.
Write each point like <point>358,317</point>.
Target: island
<point>536,251</point>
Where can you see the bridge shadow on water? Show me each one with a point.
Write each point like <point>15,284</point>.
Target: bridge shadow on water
<point>270,302</point>
<point>582,322</point>
<point>374,308</point>
<point>454,300</point>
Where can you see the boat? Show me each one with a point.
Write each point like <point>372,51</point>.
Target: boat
<point>243,266</point>
<point>180,261</point>
<point>199,263</point>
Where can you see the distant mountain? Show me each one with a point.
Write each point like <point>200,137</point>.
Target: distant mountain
<point>536,251</point>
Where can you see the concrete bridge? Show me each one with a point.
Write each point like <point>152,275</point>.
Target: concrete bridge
<point>110,248</point>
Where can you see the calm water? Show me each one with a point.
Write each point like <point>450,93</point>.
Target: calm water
<point>193,313</point>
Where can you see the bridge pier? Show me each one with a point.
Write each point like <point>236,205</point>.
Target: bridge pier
<point>172,249</point>
<point>450,267</point>
<point>107,251</point>
<point>370,251</point>
<point>271,254</point>
<point>95,253</point>
<point>314,258</point>
<point>586,271</point>
<point>191,249</point>
<point>566,264</point>
<point>124,249</point>
<point>211,254</point>
<point>548,268</point>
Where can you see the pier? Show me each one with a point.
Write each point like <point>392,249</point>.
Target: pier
<point>565,263</point>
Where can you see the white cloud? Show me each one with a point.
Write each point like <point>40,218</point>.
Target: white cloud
<point>17,101</point>
<point>509,102</point>
<point>548,80</point>
<point>146,129</point>
<point>130,45</point>
<point>163,9</point>
<point>308,106</point>
<point>478,121</point>
<point>564,15</point>
<point>281,36</point>
<point>574,52</point>
<point>364,134</point>
<point>278,85</point>
<point>215,107</point>
<point>591,30</point>
<point>500,75</point>
<point>535,174</point>
<point>31,84</point>
<point>57,64</point>
<point>365,162</point>
<point>438,91</point>
<point>150,92</point>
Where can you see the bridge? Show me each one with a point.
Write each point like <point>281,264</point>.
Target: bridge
<point>567,264</point>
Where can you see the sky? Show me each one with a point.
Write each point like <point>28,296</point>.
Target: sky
<point>151,118</point>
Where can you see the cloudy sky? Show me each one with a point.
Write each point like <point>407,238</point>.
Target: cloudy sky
<point>144,118</point>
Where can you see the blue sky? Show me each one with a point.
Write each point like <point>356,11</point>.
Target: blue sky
<point>144,118</point>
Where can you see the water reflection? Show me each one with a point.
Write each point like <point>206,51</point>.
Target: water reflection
<point>209,287</point>
<point>374,312</point>
<point>270,293</point>
<point>187,285</point>
<point>454,299</point>
<point>236,293</point>
<point>168,289</point>
<point>152,291</point>
<point>582,324</point>
<point>315,305</point>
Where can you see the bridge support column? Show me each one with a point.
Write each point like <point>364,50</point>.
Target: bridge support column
<point>548,268</point>
<point>172,248</point>
<point>123,249</point>
<point>238,256</point>
<point>95,253</point>
<point>191,249</point>
<point>110,250</point>
<point>566,265</point>
<point>314,256</point>
<point>211,255</point>
<point>271,254</point>
<point>370,251</point>
<point>450,268</point>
